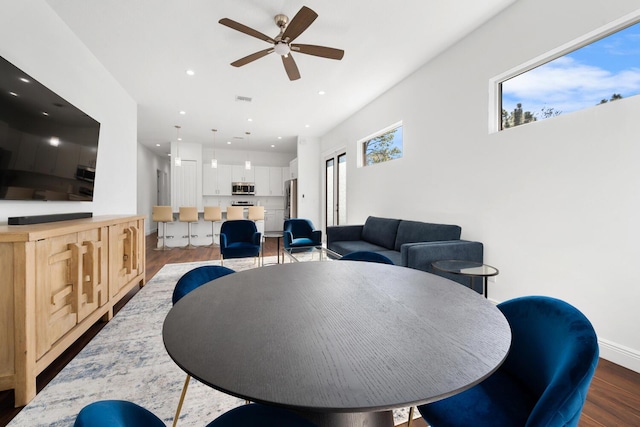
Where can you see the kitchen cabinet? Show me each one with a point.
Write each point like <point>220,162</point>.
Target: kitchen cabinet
<point>274,219</point>
<point>240,174</point>
<point>268,181</point>
<point>293,169</point>
<point>262,181</point>
<point>216,181</point>
<point>58,279</point>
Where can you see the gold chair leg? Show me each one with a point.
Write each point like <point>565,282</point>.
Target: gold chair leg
<point>184,392</point>
<point>410,417</point>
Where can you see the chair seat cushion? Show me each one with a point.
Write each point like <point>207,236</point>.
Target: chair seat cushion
<point>241,250</point>
<point>303,241</point>
<point>498,401</point>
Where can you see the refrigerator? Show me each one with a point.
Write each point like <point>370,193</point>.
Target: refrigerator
<point>291,199</point>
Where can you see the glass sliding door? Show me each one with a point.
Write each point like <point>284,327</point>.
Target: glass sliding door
<point>336,189</point>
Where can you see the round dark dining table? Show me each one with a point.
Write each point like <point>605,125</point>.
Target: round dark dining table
<point>342,342</point>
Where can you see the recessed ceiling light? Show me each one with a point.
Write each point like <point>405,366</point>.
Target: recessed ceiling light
<point>190,72</point>
<point>54,141</point>
<point>307,126</point>
<point>183,112</point>
<point>44,113</point>
<point>249,119</point>
<point>273,146</point>
<point>228,142</point>
<point>13,94</point>
<point>22,79</point>
<point>321,92</point>
<point>279,137</point>
<point>157,145</point>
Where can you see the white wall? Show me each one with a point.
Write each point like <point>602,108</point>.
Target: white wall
<point>309,180</point>
<point>148,165</point>
<point>556,203</point>
<point>36,40</point>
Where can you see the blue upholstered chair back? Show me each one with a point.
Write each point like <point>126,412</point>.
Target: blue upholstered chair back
<point>544,379</point>
<point>367,256</point>
<point>301,232</point>
<point>239,230</point>
<point>196,278</point>
<point>116,413</point>
<point>554,352</point>
<point>260,415</point>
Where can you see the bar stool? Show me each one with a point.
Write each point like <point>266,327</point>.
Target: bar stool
<point>235,212</point>
<point>213,214</point>
<point>162,215</point>
<point>188,214</point>
<point>256,213</point>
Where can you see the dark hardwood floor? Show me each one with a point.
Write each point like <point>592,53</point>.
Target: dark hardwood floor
<point>613,399</point>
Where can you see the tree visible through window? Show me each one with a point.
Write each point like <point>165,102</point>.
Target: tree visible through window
<point>383,146</point>
<point>600,72</point>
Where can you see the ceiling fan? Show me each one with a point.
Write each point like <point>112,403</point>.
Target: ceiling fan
<point>289,31</point>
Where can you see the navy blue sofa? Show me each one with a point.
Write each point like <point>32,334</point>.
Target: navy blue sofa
<point>412,244</point>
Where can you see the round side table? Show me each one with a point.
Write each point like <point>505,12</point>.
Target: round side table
<point>470,269</point>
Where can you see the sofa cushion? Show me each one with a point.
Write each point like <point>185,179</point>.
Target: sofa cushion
<point>380,231</point>
<point>415,231</point>
<point>344,247</point>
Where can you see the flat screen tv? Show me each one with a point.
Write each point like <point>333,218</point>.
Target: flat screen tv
<point>48,147</point>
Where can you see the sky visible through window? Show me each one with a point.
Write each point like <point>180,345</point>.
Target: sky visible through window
<point>580,79</point>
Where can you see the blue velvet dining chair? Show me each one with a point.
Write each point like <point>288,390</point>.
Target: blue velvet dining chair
<point>544,379</point>
<point>187,283</point>
<point>239,239</point>
<point>299,232</point>
<point>260,415</point>
<point>116,413</point>
<point>367,256</point>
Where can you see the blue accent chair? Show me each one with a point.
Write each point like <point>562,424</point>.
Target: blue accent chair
<point>239,239</point>
<point>367,256</point>
<point>116,413</point>
<point>300,232</point>
<point>544,379</point>
<point>188,282</point>
<point>260,415</point>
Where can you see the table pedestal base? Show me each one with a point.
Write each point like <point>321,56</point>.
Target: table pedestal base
<point>360,419</point>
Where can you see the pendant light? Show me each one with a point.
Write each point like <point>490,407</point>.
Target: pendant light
<point>178,159</point>
<point>247,163</point>
<point>214,161</point>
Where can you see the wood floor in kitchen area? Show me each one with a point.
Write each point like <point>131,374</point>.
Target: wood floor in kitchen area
<point>613,399</point>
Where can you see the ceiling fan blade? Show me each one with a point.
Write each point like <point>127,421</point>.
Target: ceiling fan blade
<point>299,23</point>
<point>244,29</point>
<point>322,51</point>
<point>250,58</point>
<point>290,67</point>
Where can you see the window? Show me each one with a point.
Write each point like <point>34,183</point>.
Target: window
<point>602,71</point>
<point>382,146</point>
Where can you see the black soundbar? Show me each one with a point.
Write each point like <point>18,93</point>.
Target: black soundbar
<point>38,219</point>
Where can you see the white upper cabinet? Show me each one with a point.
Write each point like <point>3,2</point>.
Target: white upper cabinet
<point>216,181</point>
<point>240,174</point>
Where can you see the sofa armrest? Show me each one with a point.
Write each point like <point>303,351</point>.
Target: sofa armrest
<point>316,236</point>
<point>421,255</point>
<point>257,238</point>
<point>339,233</point>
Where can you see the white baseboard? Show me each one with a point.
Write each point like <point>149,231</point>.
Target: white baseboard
<point>620,355</point>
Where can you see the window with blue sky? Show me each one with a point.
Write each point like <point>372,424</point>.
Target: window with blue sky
<point>603,71</point>
<point>382,146</point>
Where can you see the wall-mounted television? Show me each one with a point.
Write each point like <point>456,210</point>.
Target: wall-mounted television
<point>48,147</point>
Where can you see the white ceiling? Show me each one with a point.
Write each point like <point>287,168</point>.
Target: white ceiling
<point>148,45</point>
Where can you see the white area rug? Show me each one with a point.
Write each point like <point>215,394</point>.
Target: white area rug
<point>127,360</point>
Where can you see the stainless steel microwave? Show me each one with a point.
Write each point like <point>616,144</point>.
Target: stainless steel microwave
<point>243,188</point>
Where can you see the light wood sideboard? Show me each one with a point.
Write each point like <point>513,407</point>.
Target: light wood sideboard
<point>56,280</point>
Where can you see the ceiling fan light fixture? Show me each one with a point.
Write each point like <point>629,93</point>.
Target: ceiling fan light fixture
<point>282,48</point>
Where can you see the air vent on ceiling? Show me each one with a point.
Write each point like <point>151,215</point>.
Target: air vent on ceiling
<point>243,98</point>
